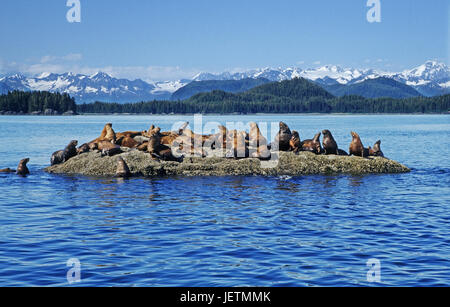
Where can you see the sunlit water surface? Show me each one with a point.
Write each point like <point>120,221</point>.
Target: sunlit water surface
<point>229,231</point>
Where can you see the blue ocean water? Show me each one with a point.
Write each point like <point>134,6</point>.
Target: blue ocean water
<point>228,231</point>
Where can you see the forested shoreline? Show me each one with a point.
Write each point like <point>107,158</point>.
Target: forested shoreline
<point>39,103</point>
<point>292,96</point>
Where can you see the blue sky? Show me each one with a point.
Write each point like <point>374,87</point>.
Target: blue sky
<point>171,39</point>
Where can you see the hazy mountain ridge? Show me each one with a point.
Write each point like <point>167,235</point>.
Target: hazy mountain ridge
<point>230,86</point>
<point>373,88</point>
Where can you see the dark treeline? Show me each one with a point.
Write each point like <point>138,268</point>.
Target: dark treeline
<point>346,104</point>
<point>28,102</point>
<point>290,96</point>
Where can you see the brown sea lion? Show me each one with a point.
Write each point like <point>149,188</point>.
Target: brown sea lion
<point>123,170</point>
<point>83,149</point>
<point>239,145</point>
<point>376,150</point>
<point>154,142</point>
<point>62,156</point>
<point>357,147</point>
<point>70,151</point>
<point>256,139</point>
<point>219,140</point>
<point>128,142</point>
<point>7,170</point>
<point>283,138</point>
<point>108,149</point>
<point>261,153</point>
<point>57,157</point>
<point>143,146</point>
<point>313,145</point>
<point>131,134</point>
<point>93,146</point>
<point>295,143</point>
<point>330,146</point>
<point>110,134</point>
<point>160,151</point>
<point>22,169</point>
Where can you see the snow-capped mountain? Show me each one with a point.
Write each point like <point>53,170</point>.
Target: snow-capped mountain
<point>97,87</point>
<point>429,79</point>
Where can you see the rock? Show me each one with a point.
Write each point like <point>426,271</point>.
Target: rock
<point>69,113</point>
<point>48,112</point>
<point>36,113</point>
<point>142,164</point>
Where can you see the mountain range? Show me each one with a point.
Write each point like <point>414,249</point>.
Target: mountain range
<point>430,79</point>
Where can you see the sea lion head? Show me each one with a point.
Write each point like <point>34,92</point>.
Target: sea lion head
<point>24,161</point>
<point>22,169</point>
<point>284,127</point>
<point>122,168</point>
<point>354,135</point>
<point>93,146</point>
<point>326,133</point>
<point>377,146</point>
<point>295,141</point>
<point>182,128</point>
<point>73,143</point>
<point>317,137</point>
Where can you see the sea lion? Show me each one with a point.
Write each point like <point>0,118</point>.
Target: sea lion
<point>22,169</point>
<point>239,145</point>
<point>330,146</point>
<point>57,157</point>
<point>131,134</point>
<point>160,151</point>
<point>93,146</point>
<point>83,149</point>
<point>283,138</point>
<point>256,139</point>
<point>110,134</point>
<point>262,153</point>
<point>123,170</point>
<point>143,146</point>
<point>295,143</point>
<point>70,151</point>
<point>7,170</point>
<point>357,147</point>
<point>108,149</point>
<point>128,142</point>
<point>313,145</point>
<point>62,156</point>
<point>376,150</point>
<point>154,142</point>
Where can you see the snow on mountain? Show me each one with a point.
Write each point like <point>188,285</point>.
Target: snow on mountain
<point>97,87</point>
<point>430,79</point>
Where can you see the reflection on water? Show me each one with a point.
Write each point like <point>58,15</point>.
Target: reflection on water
<point>230,231</point>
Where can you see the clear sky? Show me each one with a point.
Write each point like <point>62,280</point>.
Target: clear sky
<point>171,39</point>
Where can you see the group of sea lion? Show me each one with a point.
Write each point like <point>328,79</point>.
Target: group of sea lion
<point>290,141</point>
<point>174,145</point>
